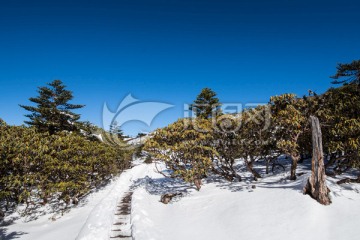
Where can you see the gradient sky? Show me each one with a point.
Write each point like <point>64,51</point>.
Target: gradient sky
<point>168,50</point>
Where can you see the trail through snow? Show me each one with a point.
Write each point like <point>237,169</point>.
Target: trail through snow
<point>91,220</point>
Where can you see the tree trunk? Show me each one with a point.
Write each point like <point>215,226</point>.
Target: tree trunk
<point>197,183</point>
<point>316,185</point>
<point>249,165</point>
<point>267,166</point>
<point>294,158</point>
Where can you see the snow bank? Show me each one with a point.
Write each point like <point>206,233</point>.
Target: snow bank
<point>276,209</point>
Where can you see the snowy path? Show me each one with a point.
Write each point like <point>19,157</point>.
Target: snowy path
<point>92,220</point>
<point>121,228</point>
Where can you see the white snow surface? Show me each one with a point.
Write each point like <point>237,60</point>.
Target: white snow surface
<point>275,210</point>
<point>236,211</point>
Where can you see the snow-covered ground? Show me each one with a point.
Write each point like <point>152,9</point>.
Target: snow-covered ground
<point>274,209</point>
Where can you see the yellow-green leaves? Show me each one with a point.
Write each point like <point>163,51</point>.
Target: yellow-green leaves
<point>289,116</point>
<point>184,147</point>
<point>39,165</point>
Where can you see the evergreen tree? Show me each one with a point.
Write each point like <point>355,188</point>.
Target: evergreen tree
<point>115,130</point>
<point>348,72</point>
<point>52,112</point>
<point>2,122</point>
<point>206,104</point>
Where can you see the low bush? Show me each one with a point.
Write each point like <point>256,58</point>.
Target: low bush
<point>38,167</point>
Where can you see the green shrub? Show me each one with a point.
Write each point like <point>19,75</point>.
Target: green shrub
<point>67,166</point>
<point>185,148</point>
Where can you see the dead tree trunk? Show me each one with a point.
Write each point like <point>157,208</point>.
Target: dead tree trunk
<point>294,161</point>
<point>316,185</point>
<point>250,167</point>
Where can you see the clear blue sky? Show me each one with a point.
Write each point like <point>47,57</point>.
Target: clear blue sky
<point>168,50</point>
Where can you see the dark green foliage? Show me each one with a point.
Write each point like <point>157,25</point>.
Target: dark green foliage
<point>347,73</point>
<point>340,118</point>
<point>139,135</point>
<point>206,105</point>
<point>2,122</point>
<point>38,167</point>
<point>52,112</point>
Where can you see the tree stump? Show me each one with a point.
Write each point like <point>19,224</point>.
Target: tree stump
<point>166,198</point>
<point>316,185</point>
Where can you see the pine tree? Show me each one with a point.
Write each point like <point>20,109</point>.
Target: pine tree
<point>348,72</point>
<point>115,130</point>
<point>2,122</point>
<point>52,112</point>
<point>206,104</point>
